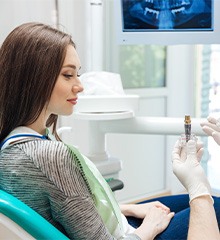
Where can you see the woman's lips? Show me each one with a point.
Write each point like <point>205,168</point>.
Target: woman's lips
<point>72,101</point>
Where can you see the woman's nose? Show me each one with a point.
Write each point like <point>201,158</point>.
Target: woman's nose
<point>77,87</point>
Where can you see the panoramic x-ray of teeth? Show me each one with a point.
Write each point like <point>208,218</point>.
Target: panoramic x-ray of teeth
<point>168,14</point>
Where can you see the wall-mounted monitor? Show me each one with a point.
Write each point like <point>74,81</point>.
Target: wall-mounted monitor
<point>168,22</point>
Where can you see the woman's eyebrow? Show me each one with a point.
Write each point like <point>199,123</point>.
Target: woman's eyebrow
<point>71,66</point>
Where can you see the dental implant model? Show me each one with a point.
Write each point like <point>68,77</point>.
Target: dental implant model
<point>187,127</point>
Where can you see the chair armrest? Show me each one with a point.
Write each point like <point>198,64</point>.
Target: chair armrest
<point>115,184</point>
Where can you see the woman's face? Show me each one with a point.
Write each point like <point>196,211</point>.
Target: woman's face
<point>64,95</point>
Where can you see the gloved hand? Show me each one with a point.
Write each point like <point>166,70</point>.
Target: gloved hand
<point>212,128</point>
<point>187,168</point>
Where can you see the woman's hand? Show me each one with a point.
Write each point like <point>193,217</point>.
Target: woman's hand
<point>156,221</point>
<point>141,210</point>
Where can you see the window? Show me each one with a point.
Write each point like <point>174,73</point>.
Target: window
<point>142,66</point>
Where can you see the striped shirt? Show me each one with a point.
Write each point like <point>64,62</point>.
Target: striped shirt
<point>44,175</point>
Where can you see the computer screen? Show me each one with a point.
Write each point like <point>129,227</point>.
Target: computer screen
<point>168,21</point>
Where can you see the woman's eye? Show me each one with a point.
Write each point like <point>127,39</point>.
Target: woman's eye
<point>68,75</point>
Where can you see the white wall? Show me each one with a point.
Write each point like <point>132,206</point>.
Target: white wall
<point>14,13</point>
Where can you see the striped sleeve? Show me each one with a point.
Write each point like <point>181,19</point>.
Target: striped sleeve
<point>71,202</point>
<point>45,176</point>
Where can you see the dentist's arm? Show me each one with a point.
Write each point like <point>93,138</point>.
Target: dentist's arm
<point>203,222</point>
<point>186,166</point>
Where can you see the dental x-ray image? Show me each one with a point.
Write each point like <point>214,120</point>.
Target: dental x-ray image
<point>167,15</point>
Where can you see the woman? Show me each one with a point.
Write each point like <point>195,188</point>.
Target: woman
<point>39,69</point>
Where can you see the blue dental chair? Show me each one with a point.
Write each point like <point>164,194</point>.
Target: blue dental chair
<point>18,221</point>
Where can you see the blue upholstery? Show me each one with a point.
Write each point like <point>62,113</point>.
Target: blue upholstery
<point>28,219</point>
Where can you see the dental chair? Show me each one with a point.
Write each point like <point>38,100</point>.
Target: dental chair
<point>19,222</point>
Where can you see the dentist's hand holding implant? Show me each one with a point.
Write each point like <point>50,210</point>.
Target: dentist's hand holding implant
<point>186,166</point>
<point>212,128</point>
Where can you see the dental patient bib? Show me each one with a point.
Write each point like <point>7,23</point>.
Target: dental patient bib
<point>102,194</point>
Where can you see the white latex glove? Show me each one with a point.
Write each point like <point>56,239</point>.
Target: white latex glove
<point>212,128</point>
<point>187,168</point>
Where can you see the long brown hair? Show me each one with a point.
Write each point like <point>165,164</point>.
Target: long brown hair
<point>31,58</point>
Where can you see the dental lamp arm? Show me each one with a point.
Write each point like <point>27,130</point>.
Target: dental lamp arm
<point>150,125</point>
